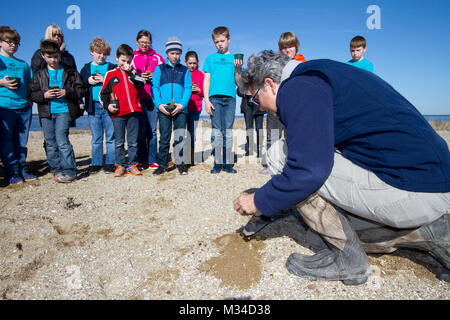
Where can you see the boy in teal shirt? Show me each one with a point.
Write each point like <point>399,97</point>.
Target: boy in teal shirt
<point>15,108</point>
<point>357,50</point>
<point>57,92</point>
<point>222,72</point>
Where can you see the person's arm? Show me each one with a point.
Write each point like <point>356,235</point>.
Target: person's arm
<point>105,92</point>
<point>75,89</point>
<point>306,103</point>
<point>187,92</point>
<point>156,89</point>
<point>200,86</point>
<point>237,70</point>
<point>206,84</point>
<point>37,94</point>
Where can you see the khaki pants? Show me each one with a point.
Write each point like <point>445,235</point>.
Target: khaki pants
<point>370,201</point>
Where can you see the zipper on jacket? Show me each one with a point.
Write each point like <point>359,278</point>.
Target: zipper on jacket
<point>126,89</point>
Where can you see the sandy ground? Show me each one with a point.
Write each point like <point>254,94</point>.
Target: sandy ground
<point>169,237</point>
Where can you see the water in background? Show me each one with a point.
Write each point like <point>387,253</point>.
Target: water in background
<point>82,123</point>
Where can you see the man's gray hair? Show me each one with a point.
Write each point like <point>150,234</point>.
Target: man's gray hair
<point>266,64</point>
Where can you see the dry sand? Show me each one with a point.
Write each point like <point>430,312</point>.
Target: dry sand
<point>168,237</point>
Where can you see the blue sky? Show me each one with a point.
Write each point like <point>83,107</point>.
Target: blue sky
<point>410,51</point>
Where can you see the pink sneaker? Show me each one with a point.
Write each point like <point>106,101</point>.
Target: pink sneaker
<point>153,166</point>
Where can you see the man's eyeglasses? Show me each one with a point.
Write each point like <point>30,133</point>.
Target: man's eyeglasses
<point>11,43</point>
<point>254,99</point>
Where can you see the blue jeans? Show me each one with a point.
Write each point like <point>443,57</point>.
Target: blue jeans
<point>222,122</point>
<point>60,155</point>
<point>100,122</point>
<point>165,132</point>
<point>128,124</point>
<point>192,122</point>
<point>147,141</point>
<point>14,130</point>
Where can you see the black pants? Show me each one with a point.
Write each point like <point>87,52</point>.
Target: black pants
<point>250,118</point>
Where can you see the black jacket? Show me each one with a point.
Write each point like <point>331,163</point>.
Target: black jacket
<point>85,73</point>
<point>72,83</point>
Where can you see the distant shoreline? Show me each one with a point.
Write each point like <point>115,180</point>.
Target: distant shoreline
<point>438,122</point>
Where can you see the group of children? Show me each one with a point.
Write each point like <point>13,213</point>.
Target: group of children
<point>124,102</point>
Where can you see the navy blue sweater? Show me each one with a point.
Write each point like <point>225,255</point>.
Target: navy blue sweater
<point>326,105</point>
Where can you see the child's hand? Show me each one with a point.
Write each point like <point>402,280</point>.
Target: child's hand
<point>147,76</point>
<point>50,94</point>
<point>113,108</point>
<point>209,107</point>
<point>195,88</point>
<point>178,109</point>
<point>162,108</point>
<point>92,81</point>
<point>99,78</point>
<point>238,64</point>
<point>60,93</point>
<point>10,84</point>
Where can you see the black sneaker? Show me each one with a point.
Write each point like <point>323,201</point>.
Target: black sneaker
<point>109,168</point>
<point>182,169</point>
<point>159,171</point>
<point>94,169</point>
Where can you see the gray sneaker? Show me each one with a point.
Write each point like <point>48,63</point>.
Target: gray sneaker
<point>64,178</point>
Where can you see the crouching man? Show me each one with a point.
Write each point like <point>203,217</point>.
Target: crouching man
<point>362,166</point>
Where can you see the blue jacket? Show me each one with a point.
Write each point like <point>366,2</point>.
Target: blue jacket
<point>164,76</point>
<point>326,105</point>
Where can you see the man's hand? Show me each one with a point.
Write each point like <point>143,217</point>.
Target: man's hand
<point>245,204</point>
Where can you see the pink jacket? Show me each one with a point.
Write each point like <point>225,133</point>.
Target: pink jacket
<point>146,62</point>
<point>195,104</point>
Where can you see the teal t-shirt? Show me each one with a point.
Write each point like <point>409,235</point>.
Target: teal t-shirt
<point>362,64</point>
<point>221,68</point>
<point>102,69</point>
<point>55,78</point>
<point>13,67</point>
